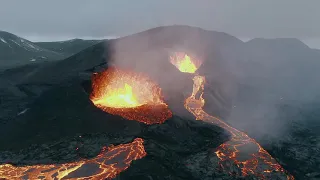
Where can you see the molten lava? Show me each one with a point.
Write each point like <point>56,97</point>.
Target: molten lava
<point>119,98</point>
<point>130,95</point>
<point>242,150</point>
<point>107,165</point>
<point>184,63</point>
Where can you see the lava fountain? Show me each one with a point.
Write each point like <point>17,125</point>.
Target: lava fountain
<point>107,165</point>
<point>243,151</point>
<point>131,95</point>
<point>184,63</point>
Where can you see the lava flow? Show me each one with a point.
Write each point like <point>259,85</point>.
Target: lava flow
<point>107,165</point>
<point>130,95</point>
<point>241,150</point>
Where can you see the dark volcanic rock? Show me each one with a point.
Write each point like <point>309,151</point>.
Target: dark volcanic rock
<point>167,145</point>
<point>62,111</point>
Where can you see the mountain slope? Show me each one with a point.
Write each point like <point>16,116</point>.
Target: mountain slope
<point>68,47</point>
<point>282,64</point>
<point>16,51</point>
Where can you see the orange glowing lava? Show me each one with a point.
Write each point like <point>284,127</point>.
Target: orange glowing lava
<point>107,165</point>
<point>184,62</point>
<point>130,95</point>
<point>242,150</point>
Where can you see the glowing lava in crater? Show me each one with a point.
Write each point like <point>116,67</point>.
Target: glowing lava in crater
<point>131,95</point>
<point>184,62</point>
<point>243,151</point>
<point>107,165</point>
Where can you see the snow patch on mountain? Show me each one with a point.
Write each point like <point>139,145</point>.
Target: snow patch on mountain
<point>32,46</point>
<point>26,45</point>
<point>3,40</point>
<point>15,42</point>
<point>22,112</point>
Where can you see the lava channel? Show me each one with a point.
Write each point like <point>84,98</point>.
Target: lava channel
<point>107,165</point>
<point>241,150</point>
<point>128,94</point>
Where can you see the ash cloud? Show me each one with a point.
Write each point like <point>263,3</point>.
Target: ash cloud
<point>277,84</point>
<point>149,52</point>
<point>246,18</point>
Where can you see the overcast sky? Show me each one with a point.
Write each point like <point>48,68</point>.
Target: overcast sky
<point>60,19</point>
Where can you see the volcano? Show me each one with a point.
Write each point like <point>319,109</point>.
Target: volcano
<point>66,112</point>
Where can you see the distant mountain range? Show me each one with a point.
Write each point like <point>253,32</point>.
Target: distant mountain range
<point>68,47</point>
<point>16,51</point>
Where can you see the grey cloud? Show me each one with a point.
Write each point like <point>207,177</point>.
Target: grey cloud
<point>77,18</point>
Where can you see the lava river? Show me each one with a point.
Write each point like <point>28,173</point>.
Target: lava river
<point>107,165</point>
<point>243,151</point>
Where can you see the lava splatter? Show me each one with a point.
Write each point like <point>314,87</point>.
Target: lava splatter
<point>130,95</point>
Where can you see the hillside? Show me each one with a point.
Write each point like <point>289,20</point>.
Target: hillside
<point>68,47</point>
<point>17,51</point>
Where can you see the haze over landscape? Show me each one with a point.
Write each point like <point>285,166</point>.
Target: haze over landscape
<point>37,20</point>
<point>160,89</point>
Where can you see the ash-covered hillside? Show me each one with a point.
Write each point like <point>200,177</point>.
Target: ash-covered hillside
<point>68,47</point>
